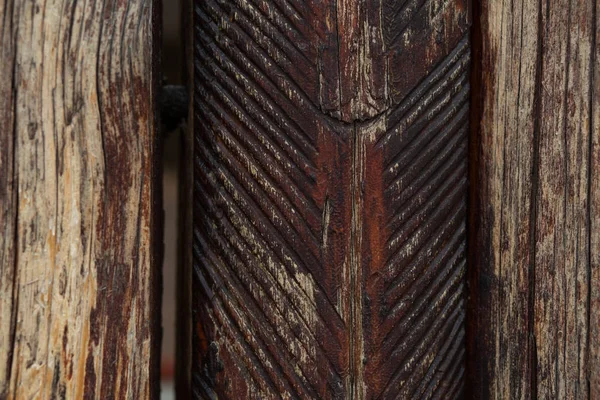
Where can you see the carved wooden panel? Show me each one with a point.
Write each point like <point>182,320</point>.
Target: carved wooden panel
<point>536,286</point>
<point>80,240</point>
<point>330,198</point>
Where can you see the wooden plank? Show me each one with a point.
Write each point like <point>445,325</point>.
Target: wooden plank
<point>330,198</point>
<point>593,345</point>
<point>8,196</point>
<point>80,246</point>
<point>536,247</point>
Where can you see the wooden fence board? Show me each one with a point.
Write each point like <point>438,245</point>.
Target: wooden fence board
<point>330,198</point>
<point>535,317</point>
<point>79,200</point>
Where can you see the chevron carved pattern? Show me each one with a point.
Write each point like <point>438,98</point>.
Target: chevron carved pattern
<point>329,199</point>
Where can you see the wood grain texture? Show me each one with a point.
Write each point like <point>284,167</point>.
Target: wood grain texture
<point>330,197</point>
<point>535,324</point>
<point>79,244</point>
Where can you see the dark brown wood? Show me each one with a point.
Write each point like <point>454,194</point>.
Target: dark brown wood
<point>330,198</point>
<point>535,283</point>
<point>80,244</point>
<point>183,368</point>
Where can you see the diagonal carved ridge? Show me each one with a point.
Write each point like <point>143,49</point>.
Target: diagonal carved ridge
<point>330,198</point>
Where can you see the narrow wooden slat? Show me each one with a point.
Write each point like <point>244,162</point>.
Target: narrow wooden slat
<point>594,219</point>
<point>79,200</point>
<point>330,176</point>
<point>8,196</point>
<point>536,217</point>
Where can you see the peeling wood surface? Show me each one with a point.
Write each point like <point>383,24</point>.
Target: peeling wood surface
<point>330,198</point>
<point>79,239</point>
<point>536,211</point>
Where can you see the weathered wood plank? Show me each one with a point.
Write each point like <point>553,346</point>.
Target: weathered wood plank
<point>8,193</point>
<point>79,200</point>
<point>593,346</point>
<point>535,311</point>
<point>330,198</point>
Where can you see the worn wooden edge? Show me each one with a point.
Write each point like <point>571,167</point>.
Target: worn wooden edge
<point>594,220</point>
<point>8,195</point>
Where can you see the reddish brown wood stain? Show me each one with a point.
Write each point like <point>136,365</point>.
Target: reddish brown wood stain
<point>330,198</point>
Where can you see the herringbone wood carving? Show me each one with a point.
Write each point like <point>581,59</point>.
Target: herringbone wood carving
<point>329,200</point>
